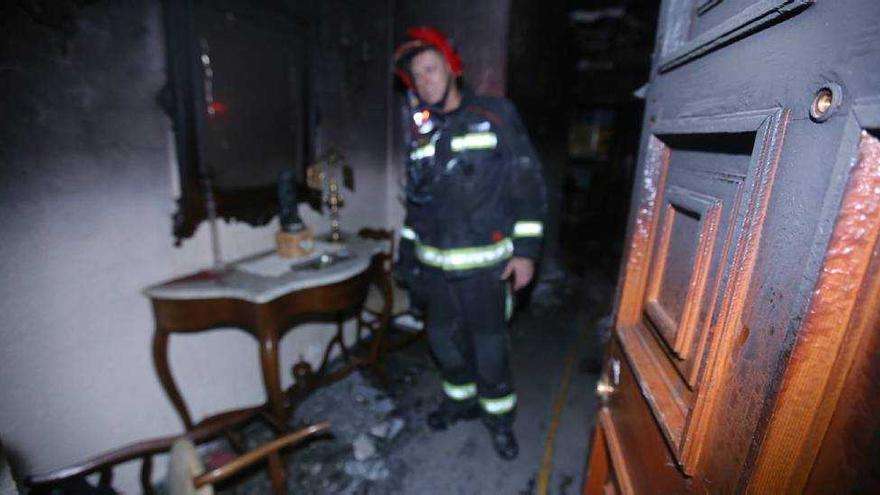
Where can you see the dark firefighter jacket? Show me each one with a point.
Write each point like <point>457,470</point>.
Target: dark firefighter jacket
<point>475,193</point>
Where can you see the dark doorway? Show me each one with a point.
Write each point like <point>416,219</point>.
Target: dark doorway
<point>575,68</point>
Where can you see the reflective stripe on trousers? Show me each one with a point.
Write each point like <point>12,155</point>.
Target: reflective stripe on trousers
<point>499,405</point>
<point>460,392</point>
<point>492,405</point>
<point>469,337</point>
<point>465,258</point>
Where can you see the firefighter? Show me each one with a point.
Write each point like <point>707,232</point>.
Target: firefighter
<point>475,203</point>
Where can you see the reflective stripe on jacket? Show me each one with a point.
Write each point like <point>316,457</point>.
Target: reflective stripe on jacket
<point>475,189</point>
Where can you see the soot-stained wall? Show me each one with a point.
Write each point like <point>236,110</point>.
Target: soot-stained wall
<point>350,55</point>
<point>87,190</point>
<point>86,199</point>
<point>88,186</point>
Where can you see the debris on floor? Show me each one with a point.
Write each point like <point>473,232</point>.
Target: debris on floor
<point>381,444</point>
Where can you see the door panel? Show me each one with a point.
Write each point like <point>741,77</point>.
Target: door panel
<point>693,28</point>
<point>707,173</point>
<point>825,407</point>
<point>602,475</point>
<point>641,459</point>
<point>713,176</point>
<point>682,259</point>
<point>737,313</point>
<point>708,14</point>
<point>849,455</point>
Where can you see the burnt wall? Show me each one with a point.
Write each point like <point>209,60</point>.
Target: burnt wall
<point>88,185</point>
<point>349,58</point>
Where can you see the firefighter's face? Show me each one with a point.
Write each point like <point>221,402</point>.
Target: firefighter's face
<point>430,75</point>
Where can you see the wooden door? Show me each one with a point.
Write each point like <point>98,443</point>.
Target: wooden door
<point>744,349</point>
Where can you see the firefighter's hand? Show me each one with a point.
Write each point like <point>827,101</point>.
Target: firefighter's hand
<point>522,270</point>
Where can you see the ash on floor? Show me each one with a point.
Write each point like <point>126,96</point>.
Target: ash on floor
<point>382,445</point>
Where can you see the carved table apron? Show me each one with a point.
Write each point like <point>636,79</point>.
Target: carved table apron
<point>264,295</point>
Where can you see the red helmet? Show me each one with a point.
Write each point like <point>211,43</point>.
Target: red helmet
<point>424,36</point>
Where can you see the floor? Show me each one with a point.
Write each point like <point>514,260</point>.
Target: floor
<point>381,444</point>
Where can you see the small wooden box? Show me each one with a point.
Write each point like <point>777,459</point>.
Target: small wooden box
<point>295,244</point>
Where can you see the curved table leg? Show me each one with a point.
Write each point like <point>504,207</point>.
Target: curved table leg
<point>379,348</point>
<point>340,334</point>
<point>272,375</point>
<point>160,362</point>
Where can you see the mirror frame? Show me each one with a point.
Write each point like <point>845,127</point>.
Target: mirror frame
<point>182,98</point>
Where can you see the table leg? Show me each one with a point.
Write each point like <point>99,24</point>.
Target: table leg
<point>160,362</point>
<point>340,336</point>
<point>272,375</point>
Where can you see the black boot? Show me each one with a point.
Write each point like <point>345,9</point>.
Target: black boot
<point>451,412</point>
<point>504,441</point>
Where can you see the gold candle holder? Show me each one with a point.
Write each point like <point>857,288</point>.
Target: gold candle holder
<point>322,177</point>
<point>334,202</point>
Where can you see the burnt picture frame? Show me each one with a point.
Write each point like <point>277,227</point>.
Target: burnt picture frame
<point>238,96</point>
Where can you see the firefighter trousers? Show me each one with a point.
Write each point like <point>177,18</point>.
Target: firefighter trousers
<point>467,331</point>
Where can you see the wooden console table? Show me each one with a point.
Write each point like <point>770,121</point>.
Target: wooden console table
<point>266,295</point>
